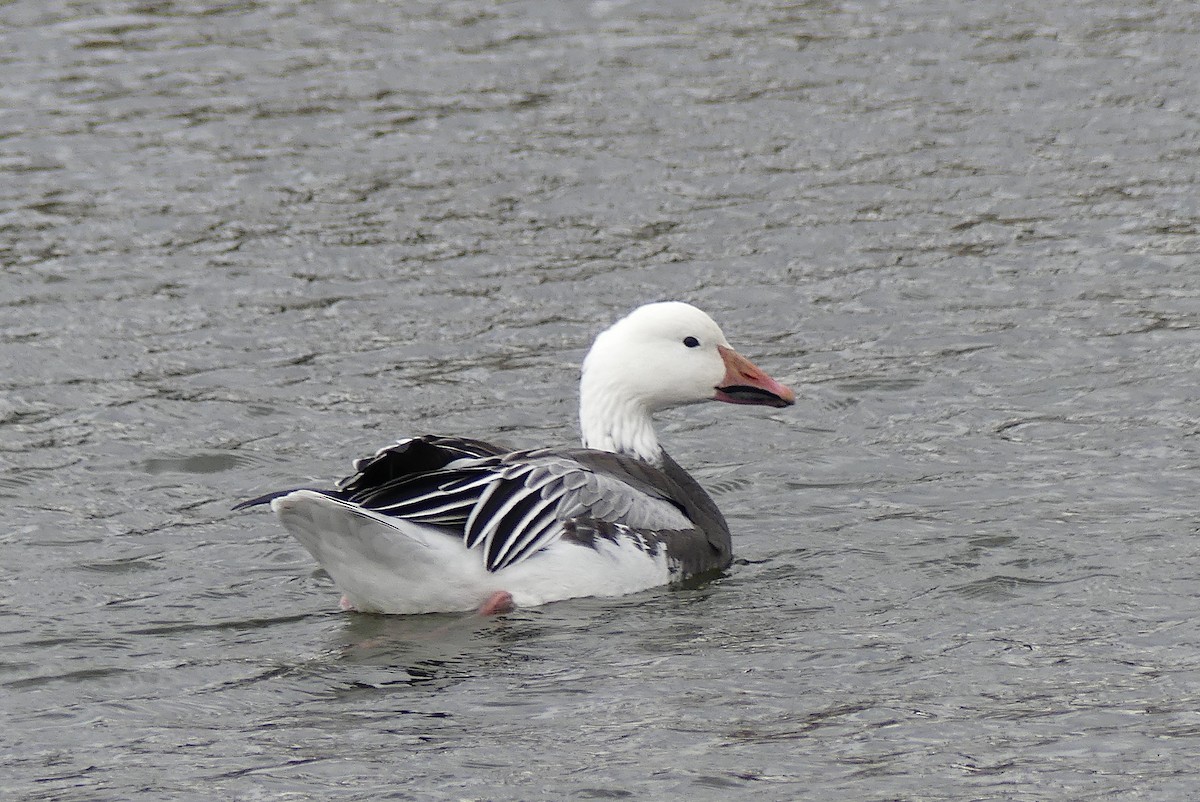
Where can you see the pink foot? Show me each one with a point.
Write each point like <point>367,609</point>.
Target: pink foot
<point>347,605</point>
<point>499,602</point>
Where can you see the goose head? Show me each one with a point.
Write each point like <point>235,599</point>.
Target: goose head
<point>662,355</point>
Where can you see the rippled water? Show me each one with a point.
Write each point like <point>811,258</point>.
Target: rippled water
<point>245,243</point>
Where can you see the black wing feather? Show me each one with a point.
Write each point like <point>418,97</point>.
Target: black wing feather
<point>512,504</point>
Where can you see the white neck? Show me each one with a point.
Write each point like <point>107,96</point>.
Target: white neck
<point>610,423</point>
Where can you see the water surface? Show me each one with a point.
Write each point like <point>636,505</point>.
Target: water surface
<point>244,244</point>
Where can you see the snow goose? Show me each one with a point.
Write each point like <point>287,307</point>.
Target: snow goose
<point>442,524</point>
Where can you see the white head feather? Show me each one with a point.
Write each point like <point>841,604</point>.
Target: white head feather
<point>661,355</point>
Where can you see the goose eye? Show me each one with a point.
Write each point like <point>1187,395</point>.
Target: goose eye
<point>691,342</point>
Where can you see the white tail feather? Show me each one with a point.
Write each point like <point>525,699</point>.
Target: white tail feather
<point>385,564</point>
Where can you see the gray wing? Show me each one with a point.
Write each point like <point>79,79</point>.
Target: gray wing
<point>510,504</point>
<point>513,505</point>
<point>532,500</point>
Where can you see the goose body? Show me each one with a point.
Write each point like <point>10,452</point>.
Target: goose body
<point>440,524</point>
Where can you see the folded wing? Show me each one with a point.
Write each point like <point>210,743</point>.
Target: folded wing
<point>512,504</point>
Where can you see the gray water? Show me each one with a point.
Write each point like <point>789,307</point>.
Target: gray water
<point>245,243</point>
